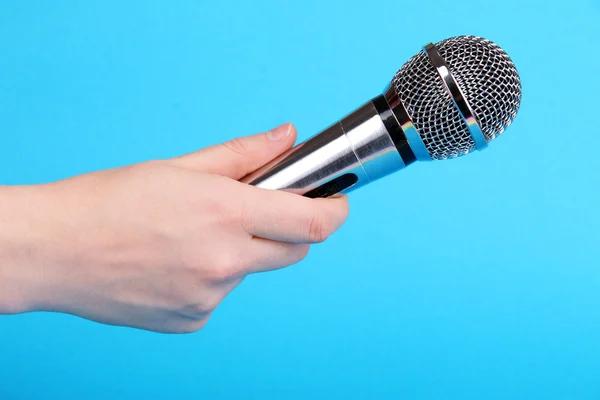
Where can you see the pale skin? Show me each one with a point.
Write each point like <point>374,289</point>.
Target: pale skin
<point>156,245</point>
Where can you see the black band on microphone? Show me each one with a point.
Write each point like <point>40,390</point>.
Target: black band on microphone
<point>394,129</point>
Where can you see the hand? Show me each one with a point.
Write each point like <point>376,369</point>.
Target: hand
<point>156,245</point>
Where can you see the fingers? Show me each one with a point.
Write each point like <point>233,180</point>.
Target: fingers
<point>267,255</point>
<point>238,157</point>
<point>257,255</point>
<point>287,217</point>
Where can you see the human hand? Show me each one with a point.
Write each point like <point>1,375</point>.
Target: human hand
<point>156,245</point>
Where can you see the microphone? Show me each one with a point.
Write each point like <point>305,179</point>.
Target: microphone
<point>450,99</point>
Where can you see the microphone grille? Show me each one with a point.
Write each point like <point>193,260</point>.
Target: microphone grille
<point>488,79</point>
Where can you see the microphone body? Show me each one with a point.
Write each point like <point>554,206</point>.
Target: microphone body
<point>362,147</point>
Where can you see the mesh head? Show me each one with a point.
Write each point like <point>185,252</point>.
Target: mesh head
<point>488,80</point>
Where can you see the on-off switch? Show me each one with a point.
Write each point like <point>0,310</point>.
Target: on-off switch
<point>332,187</point>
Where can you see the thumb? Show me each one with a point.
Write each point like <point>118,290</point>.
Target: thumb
<point>238,157</point>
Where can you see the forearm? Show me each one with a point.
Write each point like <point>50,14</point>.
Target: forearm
<point>21,273</point>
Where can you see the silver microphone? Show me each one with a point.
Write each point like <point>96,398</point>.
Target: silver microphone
<point>450,99</point>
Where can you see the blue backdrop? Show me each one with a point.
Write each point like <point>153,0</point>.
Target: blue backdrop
<point>475,278</point>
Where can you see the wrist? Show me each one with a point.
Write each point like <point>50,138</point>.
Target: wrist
<point>24,275</point>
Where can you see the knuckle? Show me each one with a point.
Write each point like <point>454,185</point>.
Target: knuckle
<point>317,230</point>
<point>197,325</point>
<point>199,309</point>
<point>211,300</point>
<point>192,326</point>
<point>237,145</point>
<point>201,305</point>
<point>210,304</point>
<point>302,252</point>
<point>205,305</point>
<point>226,267</point>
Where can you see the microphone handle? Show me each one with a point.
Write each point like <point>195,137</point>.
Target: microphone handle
<point>358,149</point>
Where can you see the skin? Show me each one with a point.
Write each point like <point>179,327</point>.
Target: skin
<point>156,245</point>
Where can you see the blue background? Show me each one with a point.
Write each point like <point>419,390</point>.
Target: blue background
<point>465,279</point>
